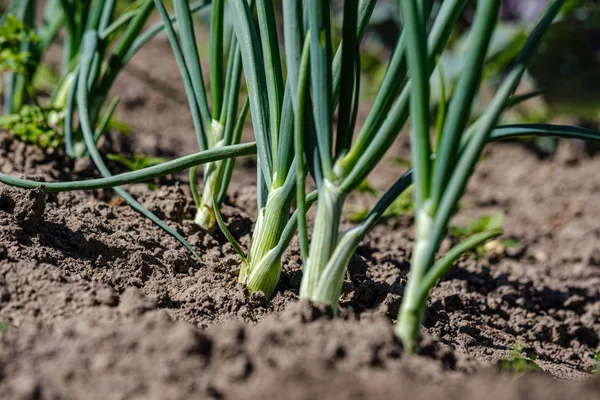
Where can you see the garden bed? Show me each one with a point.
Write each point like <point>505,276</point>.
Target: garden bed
<point>100,303</point>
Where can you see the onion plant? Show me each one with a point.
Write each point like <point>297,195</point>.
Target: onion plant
<point>219,124</point>
<point>104,69</point>
<point>271,108</point>
<point>440,170</point>
<point>338,163</point>
<point>119,38</point>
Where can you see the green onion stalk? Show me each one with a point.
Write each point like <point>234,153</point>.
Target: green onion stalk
<point>205,216</point>
<point>270,105</point>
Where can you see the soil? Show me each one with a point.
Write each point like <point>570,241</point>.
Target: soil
<point>101,304</point>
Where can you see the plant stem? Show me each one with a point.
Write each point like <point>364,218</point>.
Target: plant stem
<point>145,174</point>
<point>261,271</point>
<point>408,327</point>
<point>324,239</point>
<point>213,173</point>
<point>412,309</point>
<point>330,283</point>
<point>205,213</point>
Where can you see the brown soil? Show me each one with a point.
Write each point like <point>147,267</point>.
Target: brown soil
<point>102,304</point>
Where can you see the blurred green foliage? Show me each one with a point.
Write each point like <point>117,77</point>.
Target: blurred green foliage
<point>595,355</point>
<point>136,162</point>
<point>401,206</point>
<point>567,66</point>
<point>478,225</point>
<point>520,361</point>
<point>34,125</point>
<point>475,226</point>
<point>13,34</point>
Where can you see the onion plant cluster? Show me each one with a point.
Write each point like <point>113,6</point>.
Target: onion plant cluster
<point>271,108</point>
<point>304,102</point>
<point>98,43</point>
<point>273,99</point>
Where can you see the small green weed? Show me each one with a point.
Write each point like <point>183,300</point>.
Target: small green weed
<point>137,162</point>
<point>401,206</point>
<point>34,125</point>
<point>595,355</point>
<point>479,225</point>
<point>365,187</point>
<point>511,243</point>
<point>4,327</point>
<point>520,361</point>
<point>12,35</point>
<point>120,126</point>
